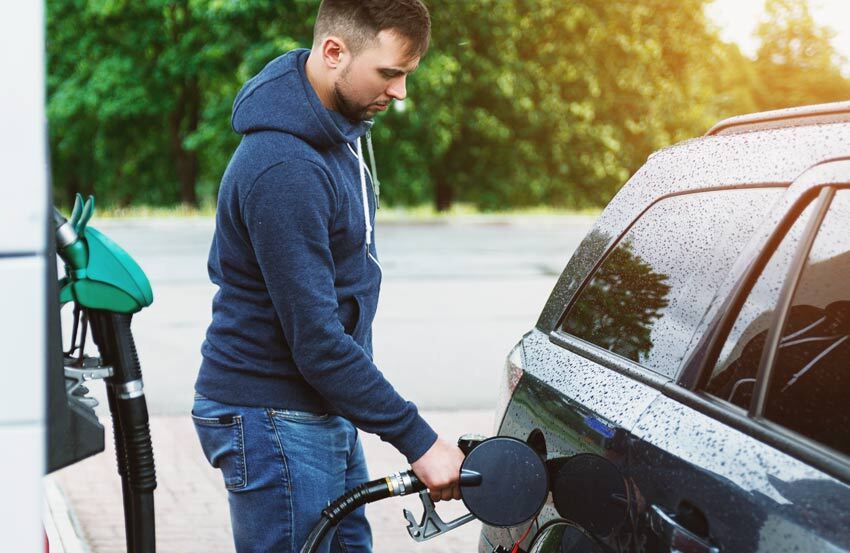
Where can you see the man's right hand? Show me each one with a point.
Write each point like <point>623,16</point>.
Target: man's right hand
<point>439,470</point>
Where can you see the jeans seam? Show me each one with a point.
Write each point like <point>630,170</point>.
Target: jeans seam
<point>341,541</point>
<point>286,480</point>
<point>353,447</point>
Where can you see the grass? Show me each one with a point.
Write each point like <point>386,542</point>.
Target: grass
<point>461,210</point>
<point>206,209</point>
<point>423,213</point>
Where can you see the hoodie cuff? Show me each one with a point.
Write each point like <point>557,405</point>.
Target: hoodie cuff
<point>416,441</point>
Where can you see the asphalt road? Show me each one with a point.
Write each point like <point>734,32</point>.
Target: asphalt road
<point>456,296</point>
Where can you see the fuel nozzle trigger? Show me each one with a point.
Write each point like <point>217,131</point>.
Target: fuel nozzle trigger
<point>503,483</point>
<point>431,525</point>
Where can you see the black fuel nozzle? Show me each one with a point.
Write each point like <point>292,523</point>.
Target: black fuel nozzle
<point>503,483</point>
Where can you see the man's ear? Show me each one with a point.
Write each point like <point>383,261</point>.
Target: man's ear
<point>334,52</point>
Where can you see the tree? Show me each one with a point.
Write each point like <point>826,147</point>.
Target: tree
<point>796,62</point>
<point>518,103</point>
<point>525,102</point>
<point>139,93</point>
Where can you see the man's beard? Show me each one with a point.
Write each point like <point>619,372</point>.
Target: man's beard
<point>345,105</point>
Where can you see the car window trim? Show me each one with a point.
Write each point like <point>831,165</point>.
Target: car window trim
<point>609,359</point>
<point>616,241</point>
<point>786,296</point>
<point>811,452</point>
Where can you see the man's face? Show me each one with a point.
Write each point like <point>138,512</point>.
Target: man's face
<point>373,78</point>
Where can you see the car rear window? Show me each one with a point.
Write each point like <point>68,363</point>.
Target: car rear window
<point>646,298</point>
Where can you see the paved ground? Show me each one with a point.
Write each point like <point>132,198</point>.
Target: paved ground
<point>455,297</point>
<point>191,502</point>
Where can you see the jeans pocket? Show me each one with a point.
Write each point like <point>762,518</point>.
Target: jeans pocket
<point>300,416</point>
<point>223,441</point>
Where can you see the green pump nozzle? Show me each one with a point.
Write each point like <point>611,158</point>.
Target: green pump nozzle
<point>98,273</point>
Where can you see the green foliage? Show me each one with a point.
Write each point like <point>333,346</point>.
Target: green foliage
<point>518,103</point>
<point>797,63</point>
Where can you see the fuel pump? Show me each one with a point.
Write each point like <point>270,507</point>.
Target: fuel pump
<point>503,482</point>
<point>107,287</point>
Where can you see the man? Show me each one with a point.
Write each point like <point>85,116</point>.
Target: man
<point>287,369</point>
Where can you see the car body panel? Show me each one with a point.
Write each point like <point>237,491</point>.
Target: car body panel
<point>673,444</point>
<point>754,497</point>
<point>563,395</point>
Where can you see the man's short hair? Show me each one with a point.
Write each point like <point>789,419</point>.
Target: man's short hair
<point>358,23</point>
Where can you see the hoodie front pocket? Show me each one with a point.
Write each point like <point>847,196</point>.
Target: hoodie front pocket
<point>350,313</point>
<point>223,441</point>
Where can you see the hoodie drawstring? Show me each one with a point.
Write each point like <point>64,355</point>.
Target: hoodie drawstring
<point>376,184</point>
<point>362,166</point>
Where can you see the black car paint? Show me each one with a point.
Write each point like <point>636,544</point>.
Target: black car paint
<point>755,493</point>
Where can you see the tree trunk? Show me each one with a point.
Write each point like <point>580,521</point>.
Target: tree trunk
<point>443,193</point>
<point>183,121</point>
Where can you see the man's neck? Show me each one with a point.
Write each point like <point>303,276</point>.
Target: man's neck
<point>315,76</point>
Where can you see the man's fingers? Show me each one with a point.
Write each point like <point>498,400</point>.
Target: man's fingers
<point>446,493</point>
<point>435,495</point>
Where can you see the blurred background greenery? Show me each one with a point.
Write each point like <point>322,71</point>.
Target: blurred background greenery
<point>519,103</point>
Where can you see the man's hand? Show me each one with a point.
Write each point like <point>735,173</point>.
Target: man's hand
<point>439,470</point>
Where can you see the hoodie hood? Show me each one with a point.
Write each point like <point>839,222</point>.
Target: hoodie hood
<point>280,98</point>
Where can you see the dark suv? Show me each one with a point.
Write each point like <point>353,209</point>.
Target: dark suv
<point>688,381</point>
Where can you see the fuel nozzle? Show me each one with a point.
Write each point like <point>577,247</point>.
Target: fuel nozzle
<point>503,482</point>
<point>70,248</point>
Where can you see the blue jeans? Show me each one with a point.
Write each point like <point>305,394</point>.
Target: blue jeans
<point>281,468</point>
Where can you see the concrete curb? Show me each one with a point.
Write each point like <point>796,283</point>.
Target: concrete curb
<point>60,524</point>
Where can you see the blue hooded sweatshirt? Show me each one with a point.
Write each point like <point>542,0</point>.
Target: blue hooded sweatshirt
<point>296,267</point>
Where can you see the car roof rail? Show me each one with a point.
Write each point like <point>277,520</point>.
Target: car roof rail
<point>835,112</point>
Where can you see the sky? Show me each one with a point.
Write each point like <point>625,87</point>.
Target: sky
<point>737,20</point>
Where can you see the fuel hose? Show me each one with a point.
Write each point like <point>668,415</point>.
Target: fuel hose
<point>398,484</point>
<point>133,448</point>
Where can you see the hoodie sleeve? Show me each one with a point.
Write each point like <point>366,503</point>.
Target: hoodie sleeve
<point>288,213</point>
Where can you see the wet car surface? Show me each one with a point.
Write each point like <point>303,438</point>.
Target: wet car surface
<point>688,380</point>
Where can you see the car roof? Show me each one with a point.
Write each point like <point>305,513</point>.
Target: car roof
<point>760,155</point>
<point>836,112</point>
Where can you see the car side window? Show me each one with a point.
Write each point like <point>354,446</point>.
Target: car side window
<point>809,387</point>
<point>649,294</point>
<point>734,375</point>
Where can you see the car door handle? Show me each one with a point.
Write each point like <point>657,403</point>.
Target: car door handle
<point>679,538</point>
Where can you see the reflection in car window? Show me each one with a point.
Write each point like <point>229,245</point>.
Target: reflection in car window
<point>809,391</point>
<point>649,294</point>
<point>734,375</point>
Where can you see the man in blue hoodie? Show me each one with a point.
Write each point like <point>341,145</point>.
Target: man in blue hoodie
<point>287,375</point>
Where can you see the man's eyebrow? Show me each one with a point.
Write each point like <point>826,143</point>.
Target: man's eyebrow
<point>398,70</point>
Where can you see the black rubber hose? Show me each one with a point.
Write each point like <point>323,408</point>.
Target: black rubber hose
<point>144,535</point>
<point>114,338</point>
<point>368,492</point>
<point>121,461</point>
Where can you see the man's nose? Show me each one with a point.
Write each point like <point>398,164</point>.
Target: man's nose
<point>398,88</point>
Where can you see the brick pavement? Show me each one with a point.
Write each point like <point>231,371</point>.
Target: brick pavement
<point>191,502</point>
